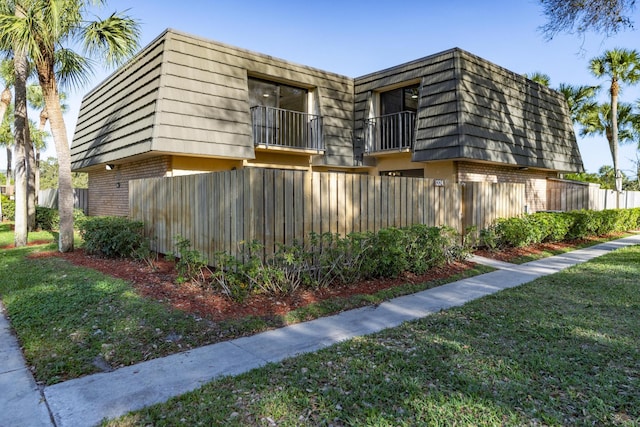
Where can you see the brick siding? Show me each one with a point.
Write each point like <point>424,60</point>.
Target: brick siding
<point>109,189</point>
<point>535,181</point>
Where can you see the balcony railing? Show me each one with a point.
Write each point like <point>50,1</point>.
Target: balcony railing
<point>287,129</point>
<point>392,132</point>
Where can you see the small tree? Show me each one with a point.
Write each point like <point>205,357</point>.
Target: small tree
<point>47,33</point>
<point>620,66</point>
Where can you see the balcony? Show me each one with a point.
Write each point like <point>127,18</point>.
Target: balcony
<point>391,132</point>
<point>286,129</point>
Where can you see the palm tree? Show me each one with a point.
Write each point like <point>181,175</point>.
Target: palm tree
<point>598,122</point>
<point>6,140</point>
<point>36,101</point>
<point>8,77</point>
<point>46,33</point>
<point>540,78</point>
<point>22,142</point>
<point>580,99</point>
<point>620,66</point>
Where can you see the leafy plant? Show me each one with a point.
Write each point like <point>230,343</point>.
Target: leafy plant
<point>558,226</point>
<point>112,237</point>
<point>190,263</point>
<point>8,208</point>
<point>146,253</point>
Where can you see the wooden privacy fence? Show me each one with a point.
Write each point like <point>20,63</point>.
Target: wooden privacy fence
<point>484,202</point>
<point>218,211</point>
<point>49,198</point>
<point>572,195</point>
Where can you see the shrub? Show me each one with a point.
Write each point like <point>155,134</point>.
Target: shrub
<point>112,237</point>
<point>8,208</point>
<point>47,218</point>
<point>558,226</point>
<point>388,257</point>
<point>190,263</point>
<point>329,258</point>
<point>517,231</point>
<point>585,224</point>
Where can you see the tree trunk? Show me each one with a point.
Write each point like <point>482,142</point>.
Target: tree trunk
<point>614,139</point>
<point>31,184</point>
<point>5,101</point>
<point>43,121</point>
<point>59,132</point>
<point>21,131</point>
<point>9,161</point>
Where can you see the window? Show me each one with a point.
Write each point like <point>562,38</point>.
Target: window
<point>269,94</point>
<point>279,116</point>
<point>399,100</point>
<point>409,173</point>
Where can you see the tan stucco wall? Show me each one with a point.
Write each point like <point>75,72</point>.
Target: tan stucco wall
<point>181,165</point>
<point>281,160</point>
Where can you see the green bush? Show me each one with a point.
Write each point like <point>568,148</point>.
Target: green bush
<point>190,263</point>
<point>331,259</point>
<point>112,237</point>
<point>557,226</point>
<point>8,208</point>
<point>388,257</point>
<point>518,231</point>
<point>585,224</point>
<point>49,219</point>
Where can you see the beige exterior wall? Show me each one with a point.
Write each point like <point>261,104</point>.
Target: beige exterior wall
<point>441,170</point>
<point>535,181</point>
<point>109,189</point>
<point>181,165</point>
<point>280,160</point>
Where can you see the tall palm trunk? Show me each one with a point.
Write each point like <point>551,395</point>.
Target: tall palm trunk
<point>21,131</point>
<point>9,161</point>
<point>5,101</point>
<point>615,89</point>
<point>59,132</point>
<point>44,117</point>
<point>31,183</point>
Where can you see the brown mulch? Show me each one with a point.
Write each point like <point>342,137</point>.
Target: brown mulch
<point>159,283</point>
<point>33,243</point>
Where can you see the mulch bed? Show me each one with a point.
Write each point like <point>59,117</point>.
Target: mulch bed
<point>159,283</point>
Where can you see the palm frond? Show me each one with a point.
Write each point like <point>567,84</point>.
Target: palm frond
<point>115,38</point>
<point>72,69</point>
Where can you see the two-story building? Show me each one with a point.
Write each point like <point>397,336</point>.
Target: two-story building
<point>187,105</point>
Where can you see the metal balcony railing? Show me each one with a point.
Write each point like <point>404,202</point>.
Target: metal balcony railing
<point>392,132</point>
<point>285,128</point>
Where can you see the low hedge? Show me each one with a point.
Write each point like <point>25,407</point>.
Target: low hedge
<point>330,259</point>
<point>112,237</point>
<point>558,226</point>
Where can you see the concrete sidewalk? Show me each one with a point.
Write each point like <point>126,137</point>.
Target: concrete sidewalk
<point>87,400</point>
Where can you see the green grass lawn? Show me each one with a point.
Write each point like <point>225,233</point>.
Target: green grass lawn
<point>73,321</point>
<point>7,236</point>
<point>562,350</point>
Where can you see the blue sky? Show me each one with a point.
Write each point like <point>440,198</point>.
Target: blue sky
<point>354,37</point>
